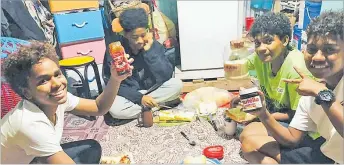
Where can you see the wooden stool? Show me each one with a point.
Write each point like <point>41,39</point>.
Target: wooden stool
<point>72,63</point>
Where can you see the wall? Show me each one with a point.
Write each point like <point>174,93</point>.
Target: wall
<point>169,8</point>
<point>332,4</point>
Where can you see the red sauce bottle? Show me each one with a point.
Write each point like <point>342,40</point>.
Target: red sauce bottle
<point>117,53</point>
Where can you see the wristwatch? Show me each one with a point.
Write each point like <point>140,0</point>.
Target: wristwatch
<point>325,96</point>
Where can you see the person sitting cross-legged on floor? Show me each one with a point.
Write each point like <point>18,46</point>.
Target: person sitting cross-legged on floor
<point>272,62</point>
<point>151,82</point>
<point>320,109</point>
<point>32,131</point>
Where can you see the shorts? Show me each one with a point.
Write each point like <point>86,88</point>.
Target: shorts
<point>308,152</point>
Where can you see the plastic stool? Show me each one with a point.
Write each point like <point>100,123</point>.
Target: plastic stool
<point>73,62</point>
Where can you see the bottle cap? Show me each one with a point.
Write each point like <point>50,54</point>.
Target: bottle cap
<point>214,152</point>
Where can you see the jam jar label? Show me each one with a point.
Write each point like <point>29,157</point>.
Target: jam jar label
<point>251,103</point>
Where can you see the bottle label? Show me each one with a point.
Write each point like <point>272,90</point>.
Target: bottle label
<point>120,63</point>
<point>230,67</point>
<point>251,103</point>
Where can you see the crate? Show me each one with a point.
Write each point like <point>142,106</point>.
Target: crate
<point>222,83</point>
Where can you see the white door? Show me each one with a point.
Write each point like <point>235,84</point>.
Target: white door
<point>205,27</point>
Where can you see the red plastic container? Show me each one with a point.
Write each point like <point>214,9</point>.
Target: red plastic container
<point>249,22</point>
<point>214,152</point>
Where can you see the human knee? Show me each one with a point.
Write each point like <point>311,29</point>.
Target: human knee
<point>95,147</point>
<point>242,136</point>
<point>176,84</point>
<point>94,152</point>
<point>122,112</point>
<point>126,114</point>
<point>247,145</point>
<point>245,133</point>
<point>249,130</point>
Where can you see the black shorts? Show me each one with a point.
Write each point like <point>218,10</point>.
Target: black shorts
<point>308,152</point>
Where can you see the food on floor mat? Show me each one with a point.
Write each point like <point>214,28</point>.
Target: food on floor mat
<point>207,108</point>
<point>195,160</point>
<point>170,115</point>
<point>207,95</point>
<point>238,115</point>
<point>123,159</point>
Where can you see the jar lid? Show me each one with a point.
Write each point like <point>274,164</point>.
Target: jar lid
<point>144,109</point>
<point>213,152</point>
<point>249,90</point>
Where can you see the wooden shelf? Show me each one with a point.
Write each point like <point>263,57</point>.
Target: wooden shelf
<point>230,85</point>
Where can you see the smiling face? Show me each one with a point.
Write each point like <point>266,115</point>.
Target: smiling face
<point>269,47</point>
<point>47,86</point>
<point>324,56</point>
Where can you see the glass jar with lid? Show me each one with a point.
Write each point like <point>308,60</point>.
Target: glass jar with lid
<point>234,59</point>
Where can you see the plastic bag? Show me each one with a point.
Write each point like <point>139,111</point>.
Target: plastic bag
<point>173,116</point>
<point>170,26</point>
<point>207,97</point>
<point>118,6</point>
<point>161,31</point>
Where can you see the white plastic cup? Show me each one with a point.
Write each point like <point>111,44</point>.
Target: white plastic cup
<point>230,127</point>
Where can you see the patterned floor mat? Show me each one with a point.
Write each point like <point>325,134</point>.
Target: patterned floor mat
<point>157,145</point>
<point>150,145</point>
<point>78,128</point>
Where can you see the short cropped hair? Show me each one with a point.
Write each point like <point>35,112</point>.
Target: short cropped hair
<point>329,22</point>
<point>131,19</point>
<point>273,24</point>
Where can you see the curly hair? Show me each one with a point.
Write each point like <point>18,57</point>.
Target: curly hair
<point>131,19</point>
<point>329,22</point>
<point>272,24</point>
<point>17,66</point>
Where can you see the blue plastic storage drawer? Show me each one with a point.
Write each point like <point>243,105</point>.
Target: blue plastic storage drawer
<point>76,27</point>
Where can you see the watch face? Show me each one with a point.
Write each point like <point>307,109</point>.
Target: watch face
<point>326,96</point>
